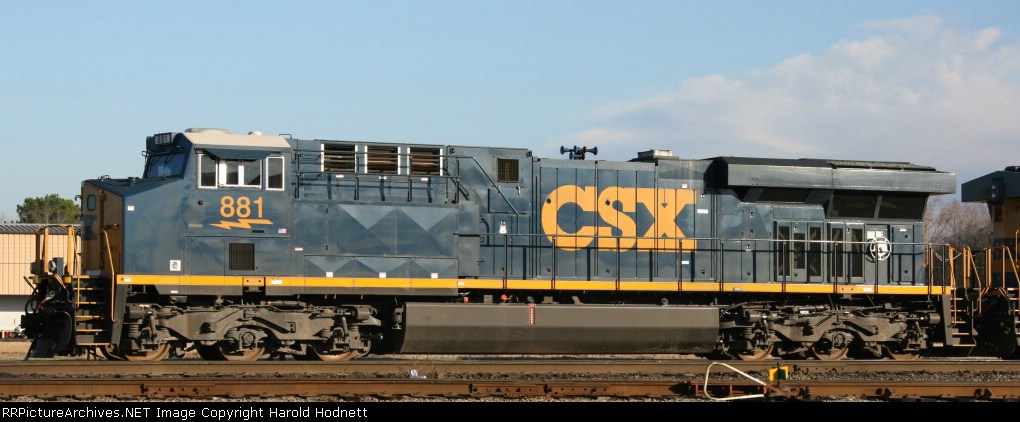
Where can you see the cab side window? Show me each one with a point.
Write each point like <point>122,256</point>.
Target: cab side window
<point>214,172</point>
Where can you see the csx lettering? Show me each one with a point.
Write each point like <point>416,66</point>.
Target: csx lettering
<point>616,206</point>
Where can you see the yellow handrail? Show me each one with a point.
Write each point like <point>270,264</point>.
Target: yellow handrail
<point>113,275</point>
<point>1012,261</point>
<point>72,258</point>
<point>42,255</point>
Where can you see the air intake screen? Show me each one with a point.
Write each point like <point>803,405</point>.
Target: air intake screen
<point>784,195</point>
<point>509,170</point>
<point>902,206</point>
<point>338,158</point>
<point>381,160</point>
<point>425,161</point>
<point>241,257</point>
<point>853,205</point>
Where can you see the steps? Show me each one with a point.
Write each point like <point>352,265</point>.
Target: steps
<point>92,310</point>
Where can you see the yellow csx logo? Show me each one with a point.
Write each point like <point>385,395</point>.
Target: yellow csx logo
<point>616,207</point>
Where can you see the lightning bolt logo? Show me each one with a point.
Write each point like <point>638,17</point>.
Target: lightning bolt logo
<point>241,223</point>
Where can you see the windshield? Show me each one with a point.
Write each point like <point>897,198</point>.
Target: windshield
<point>165,165</point>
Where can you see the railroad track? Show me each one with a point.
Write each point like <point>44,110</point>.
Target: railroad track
<point>388,379</point>
<point>515,366</point>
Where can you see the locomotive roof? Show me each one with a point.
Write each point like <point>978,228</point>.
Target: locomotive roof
<point>835,174</point>
<point>232,141</point>
<point>826,163</point>
<point>980,189</point>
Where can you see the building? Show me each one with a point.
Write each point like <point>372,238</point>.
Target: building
<point>17,251</point>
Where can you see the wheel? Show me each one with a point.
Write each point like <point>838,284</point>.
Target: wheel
<point>159,353</point>
<point>225,351</point>
<point>831,347</point>
<point>109,353</point>
<point>901,355</point>
<point>760,352</point>
<point>824,352</point>
<point>315,352</point>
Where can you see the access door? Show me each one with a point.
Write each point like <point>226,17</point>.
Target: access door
<point>845,253</point>
<point>798,250</point>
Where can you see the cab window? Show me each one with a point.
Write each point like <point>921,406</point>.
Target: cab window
<point>214,172</point>
<point>274,173</point>
<point>165,165</point>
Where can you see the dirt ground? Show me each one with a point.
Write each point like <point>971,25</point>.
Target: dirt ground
<point>13,349</point>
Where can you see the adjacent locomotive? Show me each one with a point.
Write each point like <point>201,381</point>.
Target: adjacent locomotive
<point>242,246</point>
<point>987,284</point>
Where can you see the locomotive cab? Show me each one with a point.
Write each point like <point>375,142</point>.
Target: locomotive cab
<point>125,225</point>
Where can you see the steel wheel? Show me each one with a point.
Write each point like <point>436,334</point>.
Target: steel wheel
<point>314,353</point>
<point>760,352</point>
<point>828,353</point>
<point>901,355</point>
<point>159,353</point>
<point>831,347</point>
<point>110,353</point>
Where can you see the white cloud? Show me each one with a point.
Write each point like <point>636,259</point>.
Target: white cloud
<point>914,90</point>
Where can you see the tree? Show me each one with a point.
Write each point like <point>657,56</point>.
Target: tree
<point>957,224</point>
<point>50,209</point>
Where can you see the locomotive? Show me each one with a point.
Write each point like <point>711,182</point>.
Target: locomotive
<point>240,246</point>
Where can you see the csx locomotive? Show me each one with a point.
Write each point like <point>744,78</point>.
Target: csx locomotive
<point>244,246</point>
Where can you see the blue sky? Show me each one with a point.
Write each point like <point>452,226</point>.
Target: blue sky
<point>929,82</point>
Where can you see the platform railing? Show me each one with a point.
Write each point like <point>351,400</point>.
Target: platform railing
<point>539,251</point>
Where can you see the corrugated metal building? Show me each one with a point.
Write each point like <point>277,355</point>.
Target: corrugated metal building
<point>17,251</point>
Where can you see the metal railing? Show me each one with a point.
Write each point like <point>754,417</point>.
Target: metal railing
<point>936,269</point>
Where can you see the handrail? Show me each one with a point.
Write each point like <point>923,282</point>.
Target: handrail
<point>492,183</point>
<point>113,275</point>
<point>42,247</point>
<point>708,244</point>
<point>1013,265</point>
<point>954,307</point>
<point>42,255</point>
<point>444,173</point>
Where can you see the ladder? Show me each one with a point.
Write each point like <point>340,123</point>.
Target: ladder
<point>92,314</point>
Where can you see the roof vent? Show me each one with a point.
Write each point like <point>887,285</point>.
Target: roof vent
<point>654,155</point>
